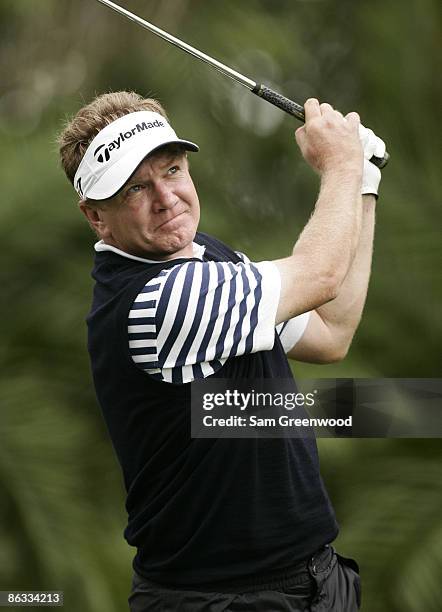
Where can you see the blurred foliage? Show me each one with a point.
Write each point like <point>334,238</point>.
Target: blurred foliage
<point>62,504</point>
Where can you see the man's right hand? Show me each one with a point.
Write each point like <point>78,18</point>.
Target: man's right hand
<point>329,141</point>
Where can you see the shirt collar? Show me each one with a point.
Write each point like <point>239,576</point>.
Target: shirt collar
<point>198,252</point>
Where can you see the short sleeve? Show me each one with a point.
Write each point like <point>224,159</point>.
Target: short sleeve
<point>291,331</point>
<point>188,321</point>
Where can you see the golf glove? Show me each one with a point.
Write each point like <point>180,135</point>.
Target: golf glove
<point>372,145</point>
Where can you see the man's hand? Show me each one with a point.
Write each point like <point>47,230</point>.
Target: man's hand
<point>372,145</point>
<point>328,141</point>
<point>371,177</point>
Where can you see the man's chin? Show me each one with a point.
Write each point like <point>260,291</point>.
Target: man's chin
<point>177,244</point>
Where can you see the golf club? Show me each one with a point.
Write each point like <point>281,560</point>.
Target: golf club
<point>275,98</point>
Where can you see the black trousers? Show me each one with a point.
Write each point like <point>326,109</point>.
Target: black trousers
<point>325,583</point>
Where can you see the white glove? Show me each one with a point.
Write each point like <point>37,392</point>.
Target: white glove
<point>371,177</point>
<point>372,145</point>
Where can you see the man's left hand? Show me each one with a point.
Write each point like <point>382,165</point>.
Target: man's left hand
<point>372,145</point>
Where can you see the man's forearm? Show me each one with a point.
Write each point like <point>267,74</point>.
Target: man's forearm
<point>342,315</point>
<point>323,254</point>
<point>330,238</point>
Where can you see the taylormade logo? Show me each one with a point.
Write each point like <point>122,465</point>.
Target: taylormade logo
<point>103,152</point>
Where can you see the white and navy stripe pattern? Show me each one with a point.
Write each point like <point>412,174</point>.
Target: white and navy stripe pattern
<point>189,319</point>
<point>291,331</point>
<point>192,317</point>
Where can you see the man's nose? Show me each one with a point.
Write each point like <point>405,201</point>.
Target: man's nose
<point>164,197</point>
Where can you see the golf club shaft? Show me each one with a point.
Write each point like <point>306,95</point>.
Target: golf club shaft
<point>236,76</point>
<point>275,98</point>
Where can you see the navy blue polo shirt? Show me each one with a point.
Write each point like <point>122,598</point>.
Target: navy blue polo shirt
<point>199,510</point>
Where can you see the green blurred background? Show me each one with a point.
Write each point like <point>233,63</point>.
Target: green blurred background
<point>62,500</point>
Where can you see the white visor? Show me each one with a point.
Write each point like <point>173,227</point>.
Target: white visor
<point>117,151</point>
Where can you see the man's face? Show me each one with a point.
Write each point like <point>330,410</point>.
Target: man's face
<point>156,214</point>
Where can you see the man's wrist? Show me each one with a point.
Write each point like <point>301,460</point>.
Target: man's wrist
<point>348,173</point>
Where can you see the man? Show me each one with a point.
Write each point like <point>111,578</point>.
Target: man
<point>219,524</point>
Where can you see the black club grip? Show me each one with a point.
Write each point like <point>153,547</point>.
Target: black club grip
<point>280,101</point>
<point>292,108</point>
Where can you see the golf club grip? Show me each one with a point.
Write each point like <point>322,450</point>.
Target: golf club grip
<point>292,108</point>
<point>275,98</point>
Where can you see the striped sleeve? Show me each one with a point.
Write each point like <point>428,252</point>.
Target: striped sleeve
<point>244,257</point>
<point>290,332</point>
<point>190,319</point>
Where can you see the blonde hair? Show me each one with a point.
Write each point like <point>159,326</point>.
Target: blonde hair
<point>79,132</point>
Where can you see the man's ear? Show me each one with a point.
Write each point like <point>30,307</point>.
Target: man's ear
<point>94,216</point>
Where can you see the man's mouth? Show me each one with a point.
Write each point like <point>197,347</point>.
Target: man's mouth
<point>171,220</point>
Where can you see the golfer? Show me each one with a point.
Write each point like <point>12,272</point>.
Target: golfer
<point>218,524</point>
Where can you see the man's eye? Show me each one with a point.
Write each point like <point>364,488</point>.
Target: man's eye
<point>135,188</point>
<point>173,169</point>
